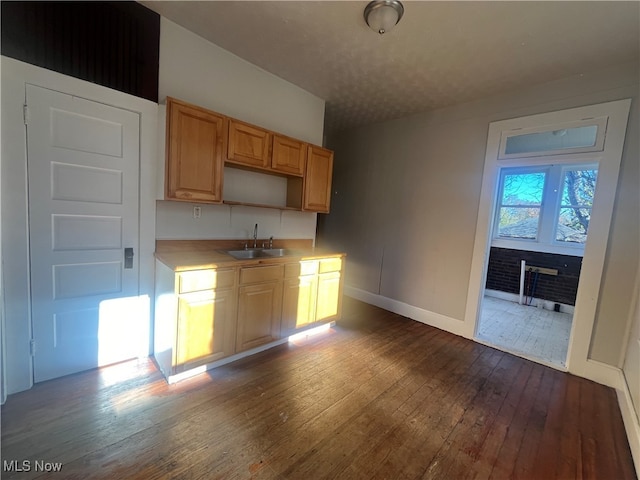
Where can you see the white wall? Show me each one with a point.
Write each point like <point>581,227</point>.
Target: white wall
<point>629,393</point>
<point>175,221</point>
<point>408,193</point>
<point>196,71</point>
<point>631,366</point>
<point>15,238</point>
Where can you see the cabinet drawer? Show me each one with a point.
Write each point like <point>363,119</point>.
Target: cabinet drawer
<point>300,268</point>
<point>260,274</point>
<point>330,264</point>
<point>206,279</point>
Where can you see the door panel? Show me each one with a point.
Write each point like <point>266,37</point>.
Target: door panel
<point>83,162</point>
<point>85,184</point>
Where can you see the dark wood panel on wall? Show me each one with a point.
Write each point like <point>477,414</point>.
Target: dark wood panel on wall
<point>115,44</point>
<point>503,273</point>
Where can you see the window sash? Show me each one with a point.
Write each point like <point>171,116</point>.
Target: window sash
<point>598,145</point>
<point>506,172</point>
<point>549,210</point>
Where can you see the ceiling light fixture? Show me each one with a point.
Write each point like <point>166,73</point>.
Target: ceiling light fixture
<point>383,15</point>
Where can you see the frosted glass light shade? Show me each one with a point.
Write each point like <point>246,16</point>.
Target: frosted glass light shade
<point>383,15</point>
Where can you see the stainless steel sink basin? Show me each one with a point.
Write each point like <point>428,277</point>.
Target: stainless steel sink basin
<point>260,253</point>
<point>278,252</point>
<point>244,254</point>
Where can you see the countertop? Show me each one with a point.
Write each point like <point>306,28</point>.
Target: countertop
<point>180,261</point>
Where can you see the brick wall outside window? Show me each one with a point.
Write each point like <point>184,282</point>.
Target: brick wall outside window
<point>503,273</point>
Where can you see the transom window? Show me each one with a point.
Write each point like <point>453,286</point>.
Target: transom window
<point>548,207</point>
<point>571,137</point>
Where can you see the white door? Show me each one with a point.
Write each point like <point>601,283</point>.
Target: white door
<point>83,163</point>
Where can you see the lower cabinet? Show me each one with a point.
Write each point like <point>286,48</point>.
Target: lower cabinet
<point>206,327</point>
<point>329,303</point>
<point>202,316</point>
<point>195,317</point>
<point>298,303</point>
<point>312,293</point>
<point>259,306</point>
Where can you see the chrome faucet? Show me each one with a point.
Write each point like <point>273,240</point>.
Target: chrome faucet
<point>255,236</point>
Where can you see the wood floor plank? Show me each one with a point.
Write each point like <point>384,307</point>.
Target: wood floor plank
<point>548,455</point>
<point>525,462</point>
<point>378,396</point>
<point>488,455</point>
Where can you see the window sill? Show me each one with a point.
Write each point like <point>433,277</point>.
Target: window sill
<point>533,246</point>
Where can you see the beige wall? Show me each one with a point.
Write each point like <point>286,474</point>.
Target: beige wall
<point>406,198</point>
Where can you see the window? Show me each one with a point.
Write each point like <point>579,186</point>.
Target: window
<point>572,137</point>
<point>520,205</point>
<point>578,187</point>
<point>548,208</point>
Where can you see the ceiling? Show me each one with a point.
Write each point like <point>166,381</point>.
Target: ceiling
<point>440,54</point>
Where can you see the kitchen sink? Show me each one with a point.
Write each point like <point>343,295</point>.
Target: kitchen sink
<point>244,254</point>
<point>259,253</point>
<point>278,252</point>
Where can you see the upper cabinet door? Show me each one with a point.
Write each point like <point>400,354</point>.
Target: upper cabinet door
<point>289,155</point>
<point>248,145</point>
<point>195,147</point>
<point>317,185</point>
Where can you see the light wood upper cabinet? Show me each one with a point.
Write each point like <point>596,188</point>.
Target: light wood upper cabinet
<point>248,145</point>
<point>199,143</point>
<point>195,153</point>
<point>317,184</point>
<point>289,155</point>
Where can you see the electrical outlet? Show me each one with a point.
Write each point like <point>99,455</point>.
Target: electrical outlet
<point>196,212</point>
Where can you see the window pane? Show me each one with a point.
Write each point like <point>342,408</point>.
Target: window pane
<point>519,222</point>
<point>573,224</point>
<point>579,187</point>
<point>578,137</point>
<point>523,188</point>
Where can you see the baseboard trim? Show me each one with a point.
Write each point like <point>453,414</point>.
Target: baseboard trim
<point>630,419</point>
<point>418,314</point>
<point>514,297</point>
<point>599,372</point>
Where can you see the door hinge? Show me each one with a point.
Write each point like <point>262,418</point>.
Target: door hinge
<point>25,113</point>
<point>32,347</point>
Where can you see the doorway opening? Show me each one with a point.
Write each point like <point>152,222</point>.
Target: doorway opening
<point>538,233</point>
<point>529,302</point>
<point>547,179</point>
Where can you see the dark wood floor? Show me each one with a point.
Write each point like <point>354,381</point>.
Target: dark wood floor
<point>379,396</point>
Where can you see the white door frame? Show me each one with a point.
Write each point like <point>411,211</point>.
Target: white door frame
<point>578,361</point>
<point>18,366</point>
